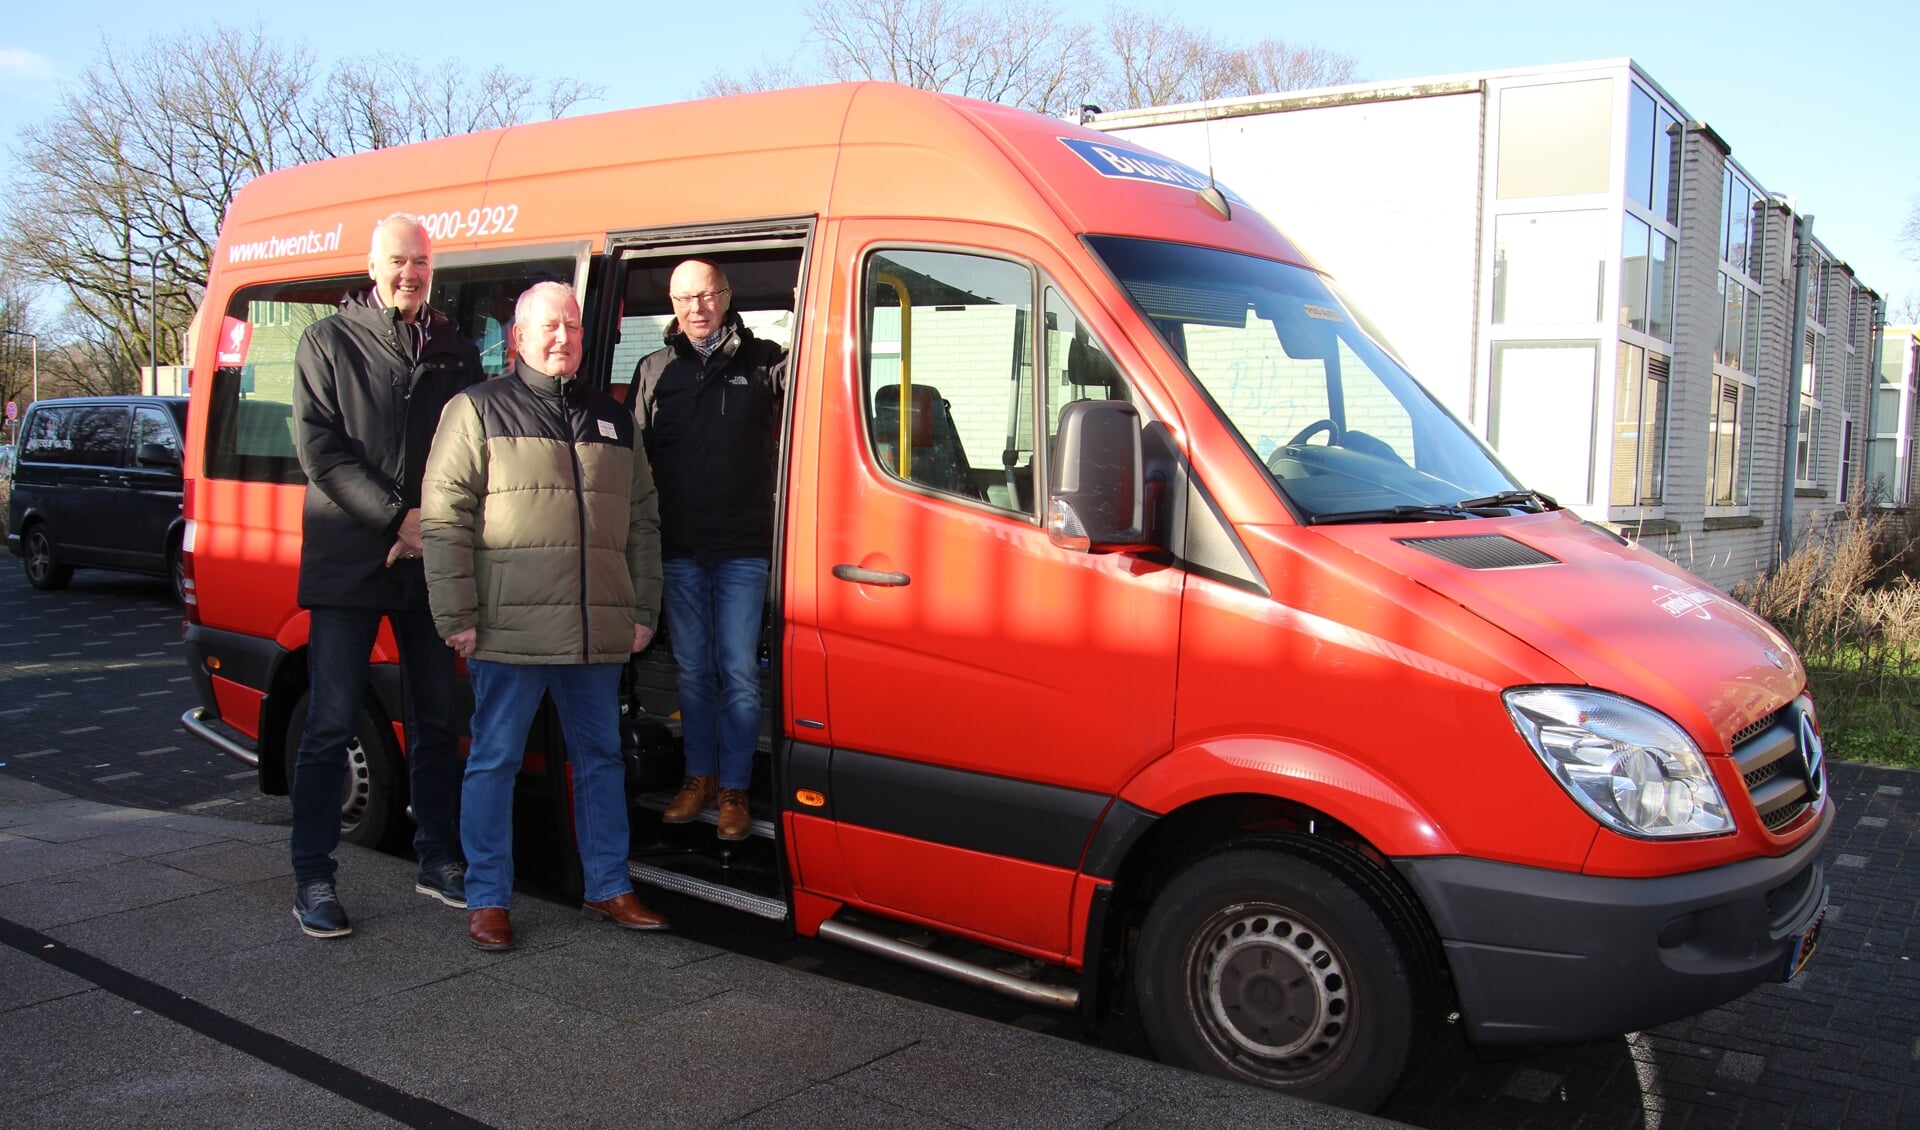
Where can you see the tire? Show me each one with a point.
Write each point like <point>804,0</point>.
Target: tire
<point>177,572</point>
<point>1260,966</point>
<point>372,810</point>
<point>45,570</point>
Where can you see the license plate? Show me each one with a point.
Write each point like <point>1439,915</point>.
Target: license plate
<point>1808,942</point>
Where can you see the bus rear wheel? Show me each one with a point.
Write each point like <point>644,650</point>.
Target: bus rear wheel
<point>1261,966</point>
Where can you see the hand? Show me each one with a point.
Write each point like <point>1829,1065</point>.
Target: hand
<point>409,532</point>
<point>464,642</point>
<point>642,636</point>
<point>400,552</point>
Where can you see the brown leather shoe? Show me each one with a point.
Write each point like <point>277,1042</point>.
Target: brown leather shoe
<point>489,928</point>
<point>695,794</point>
<point>625,911</point>
<point>736,822</point>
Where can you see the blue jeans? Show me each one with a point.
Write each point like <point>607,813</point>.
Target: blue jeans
<point>714,613</point>
<point>339,646</point>
<point>505,697</point>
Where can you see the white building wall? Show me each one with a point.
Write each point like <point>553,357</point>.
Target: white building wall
<point>1385,195</point>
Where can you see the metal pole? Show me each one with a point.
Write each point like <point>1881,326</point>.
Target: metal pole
<point>1796,357</point>
<point>153,321</point>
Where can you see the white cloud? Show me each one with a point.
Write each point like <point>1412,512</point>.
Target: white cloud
<point>18,64</point>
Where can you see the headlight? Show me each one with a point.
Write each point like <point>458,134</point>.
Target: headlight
<point>1629,766</point>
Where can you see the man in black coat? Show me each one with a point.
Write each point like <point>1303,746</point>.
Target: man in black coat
<point>370,383</point>
<point>710,405</point>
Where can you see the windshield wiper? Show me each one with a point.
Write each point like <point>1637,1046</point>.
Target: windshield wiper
<point>1395,514</point>
<point>1531,500</point>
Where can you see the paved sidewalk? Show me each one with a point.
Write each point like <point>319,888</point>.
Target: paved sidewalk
<point>151,975</point>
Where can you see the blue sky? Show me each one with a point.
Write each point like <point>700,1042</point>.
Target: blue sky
<point>1813,108</point>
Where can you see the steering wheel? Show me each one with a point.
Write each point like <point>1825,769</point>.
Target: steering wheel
<point>1304,434</point>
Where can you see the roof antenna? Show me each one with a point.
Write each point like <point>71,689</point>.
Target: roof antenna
<point>1211,195</point>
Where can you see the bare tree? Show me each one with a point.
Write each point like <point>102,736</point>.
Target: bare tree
<point>384,100</point>
<point>17,351</point>
<point>1020,52</point>
<point>769,74</point>
<point>1025,54</point>
<point>1156,61</point>
<point>120,193</point>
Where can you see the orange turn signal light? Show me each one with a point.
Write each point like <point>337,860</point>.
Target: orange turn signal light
<point>812,798</point>
<point>213,663</point>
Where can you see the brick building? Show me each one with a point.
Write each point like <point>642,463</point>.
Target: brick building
<point>1583,273</point>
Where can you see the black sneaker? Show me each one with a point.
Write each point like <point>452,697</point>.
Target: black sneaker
<point>319,911</point>
<point>444,881</point>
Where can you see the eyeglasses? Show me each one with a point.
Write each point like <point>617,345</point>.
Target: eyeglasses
<point>706,298</point>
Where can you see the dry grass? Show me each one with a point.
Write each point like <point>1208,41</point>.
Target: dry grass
<point>1848,600</point>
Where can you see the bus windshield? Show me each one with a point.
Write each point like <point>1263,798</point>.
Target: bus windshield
<point>1346,434</point>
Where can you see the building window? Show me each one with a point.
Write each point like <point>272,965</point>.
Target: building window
<point>1549,267</point>
<point>1739,204</point>
<point>1646,279</point>
<point>1639,428</point>
<point>1730,447</point>
<point>1890,452</point>
<point>1544,397</point>
<point>1555,140</point>
<point>1653,168</point>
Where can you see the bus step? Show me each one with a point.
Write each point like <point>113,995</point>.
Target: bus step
<point>745,901</point>
<point>866,941</point>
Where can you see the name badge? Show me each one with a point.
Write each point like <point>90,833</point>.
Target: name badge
<point>607,429</point>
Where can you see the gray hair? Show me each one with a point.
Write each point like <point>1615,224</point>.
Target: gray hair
<point>398,221</point>
<point>526,296</point>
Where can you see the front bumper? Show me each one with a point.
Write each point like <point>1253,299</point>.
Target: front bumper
<point>1544,956</point>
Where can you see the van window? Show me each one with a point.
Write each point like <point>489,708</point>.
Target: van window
<point>45,439</point>
<point>151,425</point>
<point>93,435</point>
<point>947,358</point>
<point>250,413</point>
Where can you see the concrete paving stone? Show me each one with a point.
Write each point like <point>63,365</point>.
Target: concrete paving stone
<point>151,840</point>
<point>26,980</point>
<point>24,862</point>
<point>15,793</point>
<point>76,828</point>
<point>617,982</point>
<point>233,863</point>
<point>95,1061</point>
<point>49,812</point>
<point>196,937</point>
<point>107,889</point>
<point>827,1107</point>
<point>245,831</point>
<point>984,1085</point>
<point>814,1042</point>
<point>498,1035</point>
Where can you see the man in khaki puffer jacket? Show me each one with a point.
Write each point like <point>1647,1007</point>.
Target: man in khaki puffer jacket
<point>542,536</point>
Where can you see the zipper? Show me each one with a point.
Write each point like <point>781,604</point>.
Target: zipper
<point>580,515</point>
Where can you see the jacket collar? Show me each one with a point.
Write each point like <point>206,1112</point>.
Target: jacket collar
<point>568,388</point>
<point>733,333</point>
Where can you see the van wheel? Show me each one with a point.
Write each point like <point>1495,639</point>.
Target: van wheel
<point>371,809</point>
<point>177,571</point>
<point>1260,966</point>
<point>45,571</point>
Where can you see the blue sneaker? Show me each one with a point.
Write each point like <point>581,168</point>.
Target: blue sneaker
<point>446,881</point>
<point>318,910</point>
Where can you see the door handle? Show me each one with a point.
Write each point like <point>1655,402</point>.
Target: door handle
<point>861,576</point>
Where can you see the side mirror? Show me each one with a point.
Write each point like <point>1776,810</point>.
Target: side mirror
<point>1095,500</point>
<point>156,455</point>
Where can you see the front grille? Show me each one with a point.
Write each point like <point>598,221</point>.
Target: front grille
<point>1780,779</point>
<point>1785,898</point>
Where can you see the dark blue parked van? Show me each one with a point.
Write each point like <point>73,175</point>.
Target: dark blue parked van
<point>96,483</point>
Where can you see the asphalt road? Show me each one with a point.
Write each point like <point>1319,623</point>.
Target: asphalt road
<point>93,682</point>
